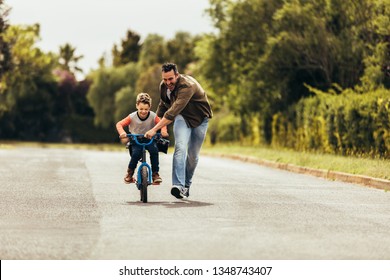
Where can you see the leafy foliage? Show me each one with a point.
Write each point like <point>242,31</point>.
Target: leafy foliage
<point>29,90</point>
<point>107,82</point>
<point>180,49</point>
<point>128,51</point>
<point>269,53</point>
<point>5,53</point>
<point>153,51</point>
<point>307,74</point>
<point>68,59</point>
<point>347,124</point>
<point>149,82</point>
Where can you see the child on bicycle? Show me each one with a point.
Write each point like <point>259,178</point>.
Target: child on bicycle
<point>139,122</point>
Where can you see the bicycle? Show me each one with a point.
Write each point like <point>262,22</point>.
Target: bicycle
<point>144,172</point>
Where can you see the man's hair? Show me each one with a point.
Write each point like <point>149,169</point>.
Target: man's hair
<point>168,66</point>
<point>144,98</point>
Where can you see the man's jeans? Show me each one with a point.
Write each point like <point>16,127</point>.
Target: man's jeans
<point>188,142</point>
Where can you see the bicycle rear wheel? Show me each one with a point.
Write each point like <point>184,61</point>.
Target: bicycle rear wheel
<point>144,184</point>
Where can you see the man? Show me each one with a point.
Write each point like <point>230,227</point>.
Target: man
<point>183,102</point>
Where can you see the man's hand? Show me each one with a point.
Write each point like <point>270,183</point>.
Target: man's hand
<point>164,134</point>
<point>149,134</point>
<point>124,139</point>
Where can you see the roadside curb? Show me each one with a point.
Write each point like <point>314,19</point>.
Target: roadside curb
<point>326,174</point>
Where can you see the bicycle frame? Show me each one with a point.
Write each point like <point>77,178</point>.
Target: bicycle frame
<point>143,159</point>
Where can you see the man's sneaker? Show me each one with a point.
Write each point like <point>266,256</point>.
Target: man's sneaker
<point>129,176</point>
<point>185,192</point>
<point>176,192</point>
<point>156,178</point>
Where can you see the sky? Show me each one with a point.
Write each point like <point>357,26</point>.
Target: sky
<point>94,26</point>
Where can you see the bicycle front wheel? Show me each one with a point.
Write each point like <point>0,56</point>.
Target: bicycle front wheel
<point>144,184</point>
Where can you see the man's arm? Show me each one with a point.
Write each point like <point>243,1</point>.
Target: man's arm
<point>161,109</point>
<point>163,122</point>
<point>164,129</point>
<point>183,97</point>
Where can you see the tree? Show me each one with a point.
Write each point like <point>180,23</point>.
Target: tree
<point>266,52</point>
<point>106,83</point>
<point>234,54</point>
<point>68,59</point>
<point>149,81</point>
<point>28,60</point>
<point>180,49</point>
<point>128,51</point>
<point>300,49</point>
<point>377,56</point>
<point>153,51</point>
<point>5,53</point>
<point>29,89</point>
<point>125,99</point>
<point>66,87</point>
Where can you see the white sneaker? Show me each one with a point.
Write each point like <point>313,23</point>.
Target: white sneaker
<point>176,191</point>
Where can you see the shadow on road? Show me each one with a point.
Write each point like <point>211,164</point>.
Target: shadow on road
<point>171,204</point>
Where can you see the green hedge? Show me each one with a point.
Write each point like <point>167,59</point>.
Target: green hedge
<point>347,124</point>
<point>224,127</point>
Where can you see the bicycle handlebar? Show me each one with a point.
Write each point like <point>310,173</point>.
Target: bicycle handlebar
<point>135,137</point>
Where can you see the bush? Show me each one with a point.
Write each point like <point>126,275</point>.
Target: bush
<point>348,124</point>
<point>224,127</point>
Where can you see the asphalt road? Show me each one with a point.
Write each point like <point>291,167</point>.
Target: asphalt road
<point>72,204</point>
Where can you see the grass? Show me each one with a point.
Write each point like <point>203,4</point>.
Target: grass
<point>377,168</point>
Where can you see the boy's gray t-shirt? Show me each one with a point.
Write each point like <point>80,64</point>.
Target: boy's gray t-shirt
<point>139,126</point>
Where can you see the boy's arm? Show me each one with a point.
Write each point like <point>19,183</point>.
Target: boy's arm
<point>121,124</point>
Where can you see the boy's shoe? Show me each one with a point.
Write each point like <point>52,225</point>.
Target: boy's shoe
<point>156,178</point>
<point>176,191</point>
<point>129,176</point>
<point>185,192</point>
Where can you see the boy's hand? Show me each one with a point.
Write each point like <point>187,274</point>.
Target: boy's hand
<point>164,134</point>
<point>124,139</point>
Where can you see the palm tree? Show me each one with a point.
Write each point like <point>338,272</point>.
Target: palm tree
<point>68,60</point>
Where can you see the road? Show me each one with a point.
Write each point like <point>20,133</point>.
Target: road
<point>72,204</point>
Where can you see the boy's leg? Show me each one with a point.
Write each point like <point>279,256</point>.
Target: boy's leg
<point>154,160</point>
<point>154,157</point>
<point>136,154</point>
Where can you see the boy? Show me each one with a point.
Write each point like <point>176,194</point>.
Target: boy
<point>139,122</point>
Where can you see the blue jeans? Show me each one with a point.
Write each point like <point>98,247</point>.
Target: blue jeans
<point>188,142</point>
<point>136,155</point>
